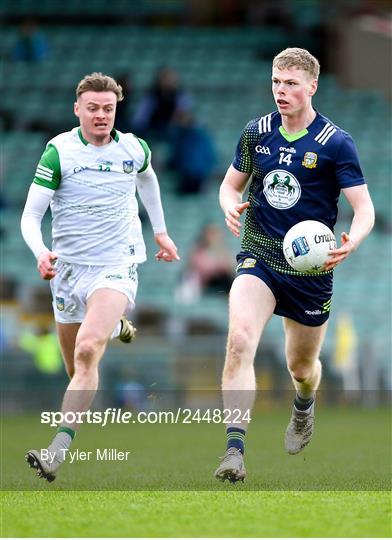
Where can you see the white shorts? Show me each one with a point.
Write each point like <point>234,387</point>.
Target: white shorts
<point>74,283</point>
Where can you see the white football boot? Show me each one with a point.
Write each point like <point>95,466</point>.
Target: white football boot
<point>231,466</point>
<point>300,430</point>
<point>128,331</point>
<point>44,468</point>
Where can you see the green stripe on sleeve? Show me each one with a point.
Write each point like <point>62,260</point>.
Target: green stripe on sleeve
<point>147,155</point>
<point>48,173</point>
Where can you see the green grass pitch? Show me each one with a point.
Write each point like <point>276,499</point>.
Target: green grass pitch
<point>188,514</point>
<point>337,487</point>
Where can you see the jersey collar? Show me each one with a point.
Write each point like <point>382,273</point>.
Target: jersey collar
<point>291,137</point>
<point>113,134</point>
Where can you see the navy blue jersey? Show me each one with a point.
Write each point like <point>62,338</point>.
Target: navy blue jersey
<point>294,178</point>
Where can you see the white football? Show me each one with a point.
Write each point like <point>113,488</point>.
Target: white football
<point>306,246</point>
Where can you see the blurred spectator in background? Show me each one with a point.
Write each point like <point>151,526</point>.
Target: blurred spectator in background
<point>31,45</point>
<point>156,111</point>
<point>4,345</point>
<point>123,110</point>
<point>7,120</point>
<point>209,268</point>
<point>3,200</point>
<point>8,288</point>
<point>192,153</point>
<point>346,353</point>
<point>132,395</point>
<point>44,348</point>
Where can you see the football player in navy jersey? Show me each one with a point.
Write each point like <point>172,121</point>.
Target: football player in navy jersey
<point>297,162</point>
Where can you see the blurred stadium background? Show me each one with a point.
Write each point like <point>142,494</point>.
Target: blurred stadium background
<point>222,52</point>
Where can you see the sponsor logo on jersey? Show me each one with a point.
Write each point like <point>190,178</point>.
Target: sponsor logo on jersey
<point>114,276</point>
<point>281,189</point>
<point>246,263</point>
<point>310,160</point>
<point>314,312</point>
<point>289,150</point>
<point>79,169</point>
<point>60,303</point>
<point>128,166</point>
<point>325,308</point>
<point>263,150</point>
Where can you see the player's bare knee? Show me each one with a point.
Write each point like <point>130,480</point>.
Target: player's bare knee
<point>239,353</point>
<point>86,349</point>
<point>300,367</point>
<point>239,343</point>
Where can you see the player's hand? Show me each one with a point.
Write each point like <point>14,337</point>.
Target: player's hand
<point>168,250</point>
<point>232,217</point>
<point>339,254</point>
<point>45,262</point>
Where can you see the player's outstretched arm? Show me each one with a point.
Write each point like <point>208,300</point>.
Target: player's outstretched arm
<point>361,225</point>
<point>148,189</point>
<point>230,198</point>
<point>38,200</point>
<point>150,195</point>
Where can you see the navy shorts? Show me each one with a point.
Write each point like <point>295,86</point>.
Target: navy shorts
<point>305,299</point>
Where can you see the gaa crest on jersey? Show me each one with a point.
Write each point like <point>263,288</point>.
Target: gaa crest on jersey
<point>310,160</point>
<point>128,166</point>
<point>60,303</point>
<point>281,189</point>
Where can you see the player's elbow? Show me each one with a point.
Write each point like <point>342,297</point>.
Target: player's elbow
<point>25,223</point>
<point>222,192</point>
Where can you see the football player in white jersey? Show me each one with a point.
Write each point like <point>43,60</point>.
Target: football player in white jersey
<point>89,177</point>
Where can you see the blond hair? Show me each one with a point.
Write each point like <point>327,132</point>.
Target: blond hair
<point>98,82</point>
<point>294,57</point>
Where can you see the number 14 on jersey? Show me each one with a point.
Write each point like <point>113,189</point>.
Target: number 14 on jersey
<point>285,158</point>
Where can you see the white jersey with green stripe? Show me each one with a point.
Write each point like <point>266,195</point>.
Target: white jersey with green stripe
<point>95,217</point>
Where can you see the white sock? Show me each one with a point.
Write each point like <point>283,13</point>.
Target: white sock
<point>116,331</point>
<point>61,442</point>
